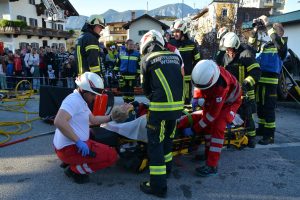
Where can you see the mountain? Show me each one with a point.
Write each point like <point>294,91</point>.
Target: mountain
<point>75,22</point>
<point>177,10</point>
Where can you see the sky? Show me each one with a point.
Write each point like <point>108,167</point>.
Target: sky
<point>88,7</point>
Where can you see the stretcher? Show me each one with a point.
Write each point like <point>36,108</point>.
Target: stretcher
<point>132,147</point>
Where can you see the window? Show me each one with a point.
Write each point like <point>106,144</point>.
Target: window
<point>33,22</point>
<point>224,12</point>
<point>32,2</point>
<point>22,18</point>
<point>23,45</point>
<point>246,17</point>
<point>35,45</point>
<point>142,32</point>
<point>61,45</point>
<point>53,25</point>
<point>55,45</point>
<point>60,27</point>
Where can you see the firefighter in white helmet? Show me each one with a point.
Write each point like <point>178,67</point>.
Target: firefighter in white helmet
<point>163,86</point>
<point>80,155</point>
<point>222,94</point>
<point>189,53</point>
<point>240,61</point>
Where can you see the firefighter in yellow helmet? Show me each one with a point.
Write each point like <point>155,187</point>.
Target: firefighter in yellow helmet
<point>87,45</point>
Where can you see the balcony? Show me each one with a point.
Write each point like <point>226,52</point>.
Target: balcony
<point>35,31</point>
<point>118,32</point>
<point>273,4</point>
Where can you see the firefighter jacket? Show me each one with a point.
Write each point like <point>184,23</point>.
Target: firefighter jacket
<point>190,55</point>
<point>87,52</point>
<point>163,83</point>
<point>271,55</point>
<point>226,92</point>
<point>129,63</point>
<point>245,69</point>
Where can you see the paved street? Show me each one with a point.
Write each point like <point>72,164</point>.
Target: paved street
<point>30,170</point>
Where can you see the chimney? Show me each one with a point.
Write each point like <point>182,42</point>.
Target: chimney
<point>132,15</point>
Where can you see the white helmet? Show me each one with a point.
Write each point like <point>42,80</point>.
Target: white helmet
<point>205,74</point>
<point>149,37</point>
<point>90,82</point>
<point>221,32</point>
<point>231,40</point>
<point>180,25</point>
<point>96,20</point>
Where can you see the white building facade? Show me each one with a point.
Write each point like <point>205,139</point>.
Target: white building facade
<point>277,6</point>
<point>42,30</point>
<point>138,27</point>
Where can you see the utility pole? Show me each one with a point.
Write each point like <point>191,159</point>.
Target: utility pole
<point>182,9</point>
<point>147,8</point>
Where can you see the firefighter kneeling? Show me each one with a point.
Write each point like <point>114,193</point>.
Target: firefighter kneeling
<point>222,94</point>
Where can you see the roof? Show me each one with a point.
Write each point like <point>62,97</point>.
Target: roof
<point>287,18</point>
<point>66,5</point>
<point>146,16</point>
<point>201,13</point>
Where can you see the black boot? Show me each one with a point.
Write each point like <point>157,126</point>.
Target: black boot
<point>64,165</point>
<point>146,188</point>
<point>251,142</point>
<point>78,178</point>
<point>206,171</point>
<point>266,141</point>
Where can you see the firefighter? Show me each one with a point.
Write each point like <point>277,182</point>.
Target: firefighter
<point>163,86</point>
<point>189,53</point>
<point>221,52</point>
<point>241,62</point>
<point>87,46</point>
<point>222,98</point>
<point>71,139</point>
<point>273,50</point>
<point>129,67</point>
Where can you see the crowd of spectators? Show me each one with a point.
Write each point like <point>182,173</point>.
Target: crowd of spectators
<point>49,65</point>
<point>42,66</point>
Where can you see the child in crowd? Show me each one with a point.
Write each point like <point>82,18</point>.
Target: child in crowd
<point>51,75</point>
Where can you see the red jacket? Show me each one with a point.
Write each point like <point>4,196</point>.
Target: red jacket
<point>224,93</point>
<point>17,63</point>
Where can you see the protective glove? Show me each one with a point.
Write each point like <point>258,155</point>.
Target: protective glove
<point>83,148</point>
<point>188,132</point>
<point>194,104</point>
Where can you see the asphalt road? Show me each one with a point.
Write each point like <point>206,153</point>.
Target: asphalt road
<point>30,170</point>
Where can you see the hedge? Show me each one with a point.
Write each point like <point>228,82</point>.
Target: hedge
<point>12,23</point>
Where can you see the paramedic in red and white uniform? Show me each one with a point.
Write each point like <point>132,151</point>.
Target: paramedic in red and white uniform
<point>222,98</point>
<point>71,140</point>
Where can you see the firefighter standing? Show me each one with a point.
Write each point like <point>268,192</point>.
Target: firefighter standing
<point>128,66</point>
<point>222,98</point>
<point>87,46</point>
<point>273,50</point>
<point>241,62</point>
<point>163,86</point>
<point>189,53</point>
